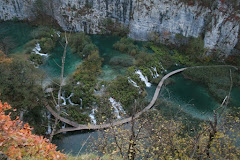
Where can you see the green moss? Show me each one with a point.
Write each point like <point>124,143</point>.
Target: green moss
<point>160,50</point>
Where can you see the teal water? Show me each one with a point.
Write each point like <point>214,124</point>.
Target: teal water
<point>17,32</point>
<point>235,97</point>
<point>74,142</point>
<point>192,97</point>
<point>106,51</point>
<point>20,33</point>
<point>52,63</point>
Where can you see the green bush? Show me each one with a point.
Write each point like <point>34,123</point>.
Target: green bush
<point>28,47</point>
<point>194,48</point>
<point>88,49</point>
<point>75,114</point>
<point>47,38</point>
<point>47,44</point>
<point>36,59</point>
<point>81,44</point>
<point>86,74</point>
<point>122,61</point>
<point>43,31</point>
<point>127,46</point>
<point>124,92</point>
<point>104,111</point>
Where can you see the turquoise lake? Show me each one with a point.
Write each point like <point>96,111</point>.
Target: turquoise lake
<point>191,97</point>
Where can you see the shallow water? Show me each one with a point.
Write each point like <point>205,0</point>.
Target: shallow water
<point>18,32</point>
<point>53,62</point>
<point>106,51</point>
<point>73,142</point>
<point>193,98</point>
<point>235,97</point>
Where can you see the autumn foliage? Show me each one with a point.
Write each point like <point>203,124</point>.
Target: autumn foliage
<point>4,59</point>
<point>17,140</point>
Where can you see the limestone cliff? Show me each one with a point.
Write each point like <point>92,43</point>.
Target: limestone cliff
<point>218,24</point>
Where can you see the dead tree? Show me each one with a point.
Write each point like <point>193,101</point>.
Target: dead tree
<point>58,105</point>
<point>213,129</point>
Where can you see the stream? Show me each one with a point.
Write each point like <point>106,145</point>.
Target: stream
<point>190,97</point>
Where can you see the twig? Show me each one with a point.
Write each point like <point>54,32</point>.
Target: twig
<point>57,63</point>
<point>83,146</point>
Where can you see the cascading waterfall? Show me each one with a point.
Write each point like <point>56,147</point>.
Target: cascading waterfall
<point>117,107</point>
<point>69,100</point>
<point>163,69</point>
<point>156,73</point>
<point>81,103</point>
<point>37,50</point>
<point>92,116</point>
<point>151,72</point>
<point>64,126</point>
<point>132,82</point>
<point>58,34</point>
<point>49,130</point>
<point>64,101</point>
<point>143,78</point>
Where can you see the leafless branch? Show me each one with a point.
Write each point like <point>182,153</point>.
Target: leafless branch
<point>84,143</point>
<point>57,63</point>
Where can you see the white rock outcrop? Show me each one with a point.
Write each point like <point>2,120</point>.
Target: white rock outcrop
<point>219,26</point>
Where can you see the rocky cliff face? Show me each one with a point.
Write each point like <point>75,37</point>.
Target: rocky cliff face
<point>165,18</point>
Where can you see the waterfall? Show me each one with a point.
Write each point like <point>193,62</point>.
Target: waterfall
<point>143,78</point>
<point>81,103</point>
<point>64,101</point>
<point>92,116</point>
<point>117,107</point>
<point>69,100</point>
<point>58,34</point>
<point>151,72</point>
<point>37,50</point>
<point>49,130</point>
<point>64,126</point>
<point>156,73</point>
<point>163,69</point>
<point>132,82</point>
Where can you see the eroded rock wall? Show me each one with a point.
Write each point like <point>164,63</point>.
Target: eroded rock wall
<point>219,25</point>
